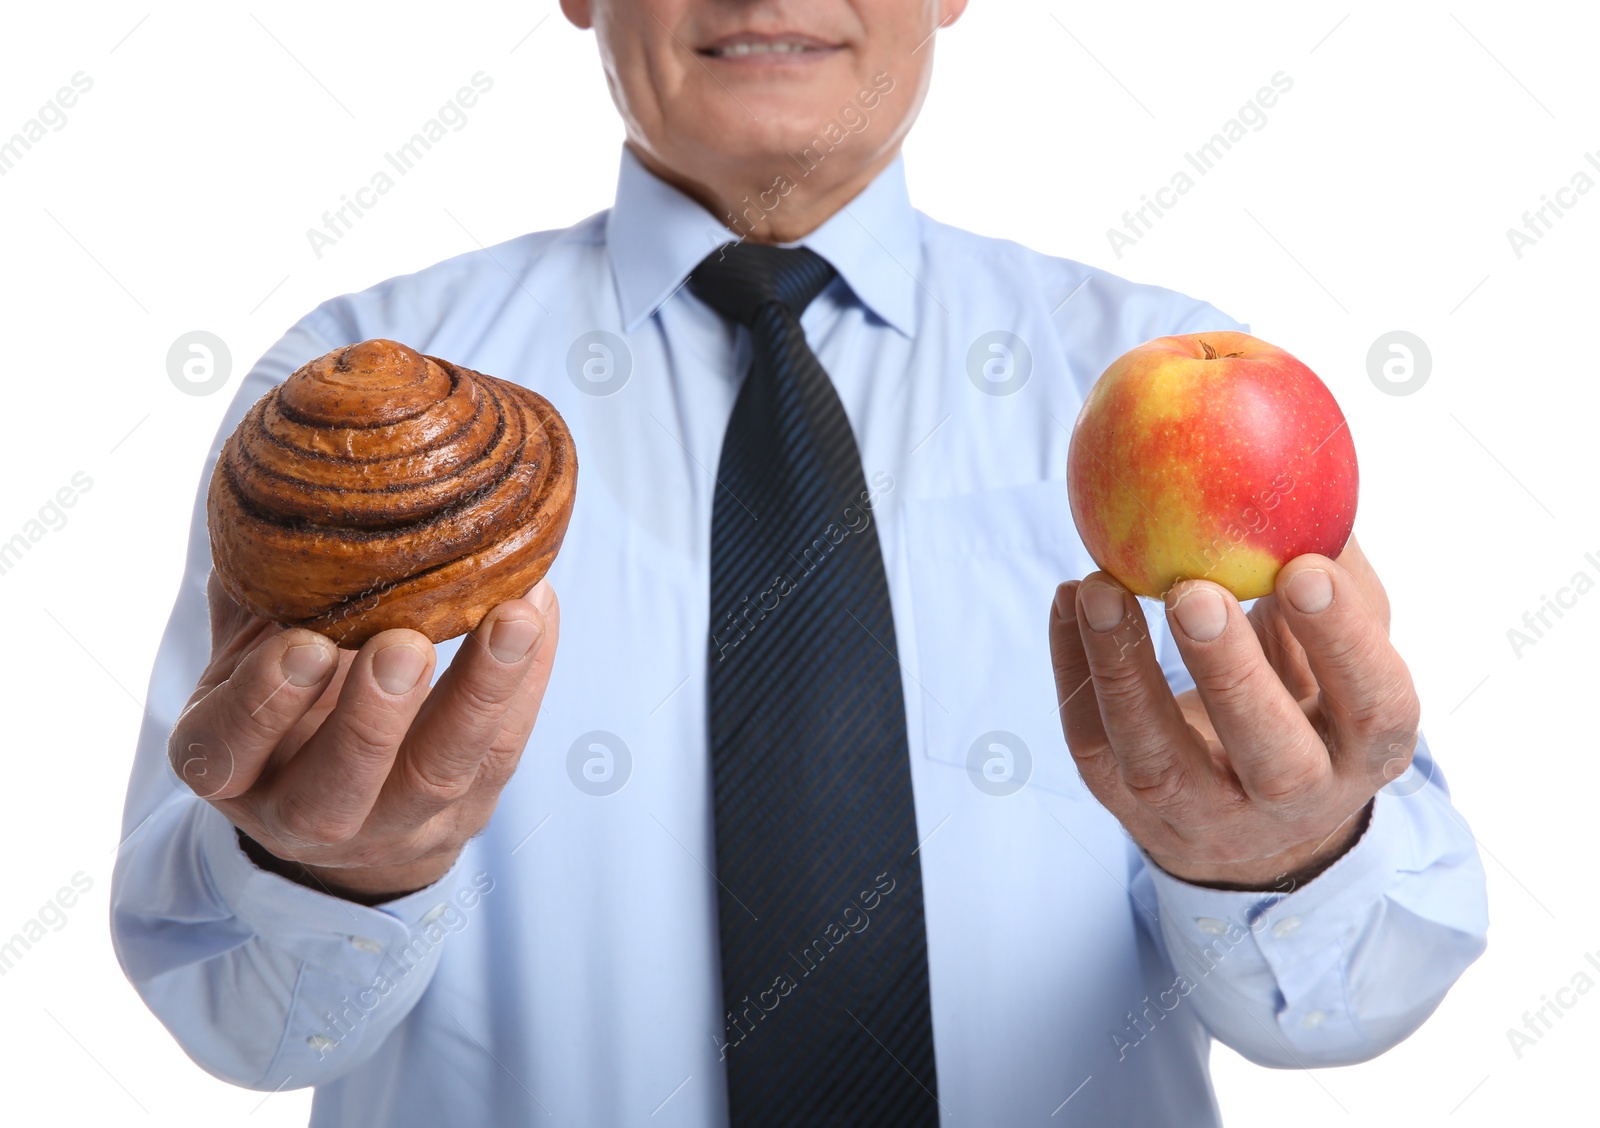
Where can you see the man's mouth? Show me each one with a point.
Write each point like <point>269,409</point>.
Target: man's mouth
<point>751,48</point>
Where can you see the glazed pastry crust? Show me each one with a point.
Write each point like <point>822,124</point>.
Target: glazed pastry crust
<point>379,488</point>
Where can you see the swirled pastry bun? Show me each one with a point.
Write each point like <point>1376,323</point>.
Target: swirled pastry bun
<point>379,488</point>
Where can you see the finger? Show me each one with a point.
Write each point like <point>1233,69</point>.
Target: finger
<point>322,796</point>
<point>1278,640</point>
<point>1279,758</point>
<point>1367,692</point>
<point>234,633</point>
<point>1079,708</point>
<point>1354,561</point>
<point>221,742</point>
<point>1156,752</point>
<point>312,721</point>
<point>1283,650</point>
<point>505,752</point>
<point>464,715</point>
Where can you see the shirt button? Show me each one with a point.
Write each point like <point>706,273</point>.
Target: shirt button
<point>1313,1019</point>
<point>1285,926</point>
<point>1211,926</point>
<point>364,944</point>
<point>320,1044</point>
<point>434,914</point>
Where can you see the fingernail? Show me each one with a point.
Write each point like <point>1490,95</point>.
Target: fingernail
<point>396,668</point>
<point>542,596</point>
<point>1102,604</point>
<point>1310,590</point>
<point>305,663</point>
<point>1201,613</point>
<point>511,639</point>
<point>1064,601</point>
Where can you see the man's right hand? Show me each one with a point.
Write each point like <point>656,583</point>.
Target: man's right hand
<point>344,762</point>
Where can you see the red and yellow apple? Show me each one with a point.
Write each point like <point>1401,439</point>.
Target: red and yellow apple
<point>1209,456</point>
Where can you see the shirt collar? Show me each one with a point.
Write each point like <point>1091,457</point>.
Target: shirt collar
<point>655,235</point>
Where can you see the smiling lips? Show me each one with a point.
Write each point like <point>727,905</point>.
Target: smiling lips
<point>768,50</point>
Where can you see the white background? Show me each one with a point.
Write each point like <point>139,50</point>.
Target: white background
<point>1377,197</point>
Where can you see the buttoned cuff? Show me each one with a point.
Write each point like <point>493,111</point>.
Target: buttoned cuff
<point>362,967</point>
<point>295,915</point>
<point>1297,940</point>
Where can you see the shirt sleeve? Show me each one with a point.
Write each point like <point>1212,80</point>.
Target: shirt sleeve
<point>1348,965</point>
<point>264,983</point>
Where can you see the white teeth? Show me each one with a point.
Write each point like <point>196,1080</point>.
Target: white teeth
<point>758,48</point>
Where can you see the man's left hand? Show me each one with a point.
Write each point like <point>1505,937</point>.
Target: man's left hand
<point>1262,776</point>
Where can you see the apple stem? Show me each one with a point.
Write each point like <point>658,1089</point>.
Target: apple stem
<point>1211,353</point>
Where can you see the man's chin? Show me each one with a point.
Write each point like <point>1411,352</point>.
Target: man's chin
<point>791,143</point>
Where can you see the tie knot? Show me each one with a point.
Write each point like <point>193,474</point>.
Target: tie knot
<point>737,279</point>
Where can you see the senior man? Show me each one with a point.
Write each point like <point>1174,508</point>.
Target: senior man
<point>794,841</point>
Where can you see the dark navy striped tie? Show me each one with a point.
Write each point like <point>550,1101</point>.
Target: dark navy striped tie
<point>824,950</point>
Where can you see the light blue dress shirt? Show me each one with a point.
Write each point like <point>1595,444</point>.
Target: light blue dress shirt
<point>566,971</point>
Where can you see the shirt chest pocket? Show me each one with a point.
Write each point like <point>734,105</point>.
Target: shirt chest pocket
<point>984,568</point>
